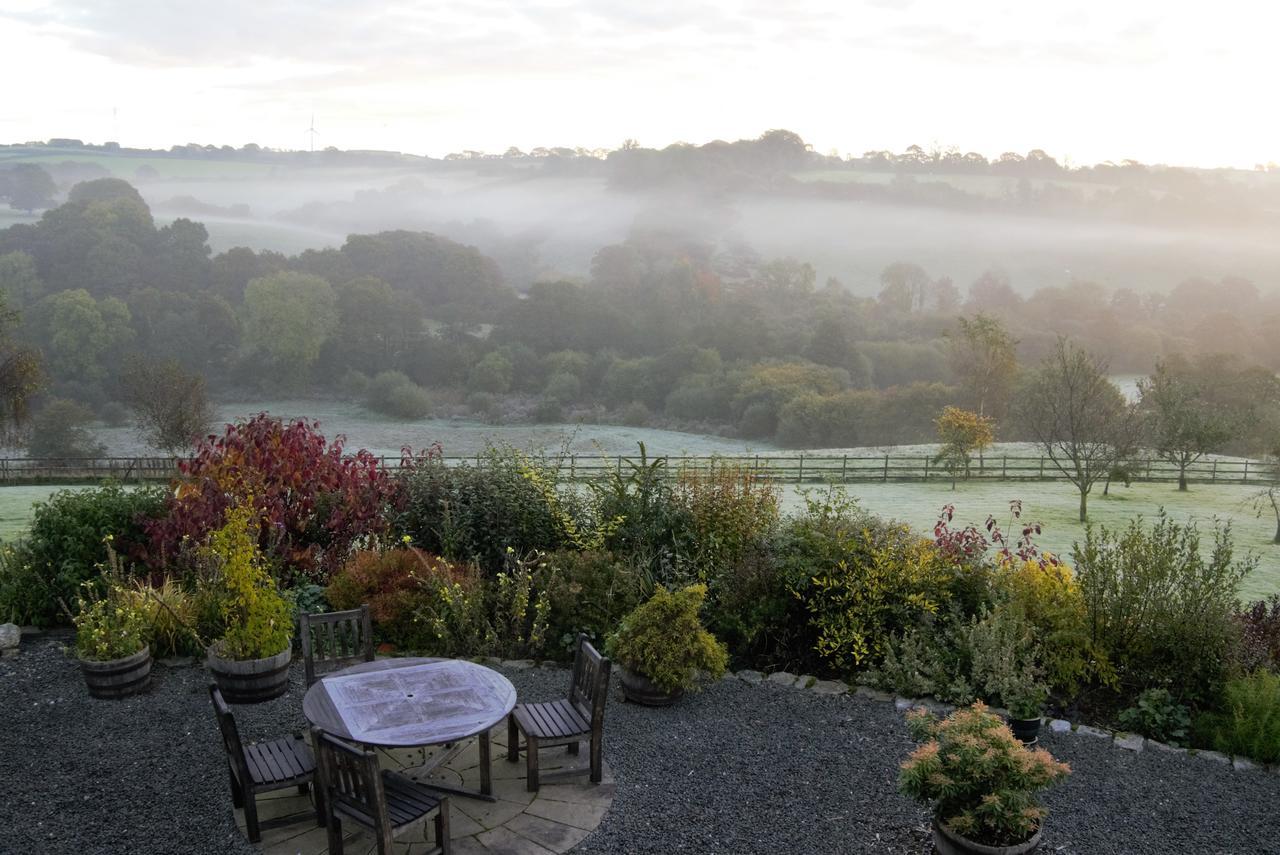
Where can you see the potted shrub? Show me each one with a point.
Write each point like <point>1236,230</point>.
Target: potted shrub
<point>1025,701</point>
<point>250,662</point>
<point>111,643</point>
<point>661,646</point>
<point>980,781</point>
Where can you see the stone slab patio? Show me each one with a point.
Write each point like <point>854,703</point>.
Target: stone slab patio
<point>566,808</point>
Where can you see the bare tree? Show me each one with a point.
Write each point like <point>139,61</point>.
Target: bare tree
<point>1077,416</point>
<point>170,403</point>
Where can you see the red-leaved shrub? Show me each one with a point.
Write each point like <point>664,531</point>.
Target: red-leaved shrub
<point>313,499</point>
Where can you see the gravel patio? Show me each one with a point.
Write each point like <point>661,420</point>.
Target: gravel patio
<point>737,768</point>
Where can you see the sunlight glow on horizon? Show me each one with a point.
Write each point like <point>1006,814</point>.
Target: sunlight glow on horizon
<point>1131,79</point>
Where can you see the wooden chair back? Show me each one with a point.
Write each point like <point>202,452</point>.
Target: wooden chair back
<point>334,640</point>
<point>230,736</point>
<point>590,686</point>
<point>352,783</point>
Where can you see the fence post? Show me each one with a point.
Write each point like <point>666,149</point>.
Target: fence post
<point>886,469</point>
<point>619,465</point>
<point>1042,468</point>
<point>1004,468</point>
<point>573,466</point>
<point>926,469</point>
<point>1213,476</point>
<point>1246,471</point>
<point>800,476</point>
<point>844,469</point>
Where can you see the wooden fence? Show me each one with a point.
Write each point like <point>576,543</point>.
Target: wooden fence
<point>783,468</point>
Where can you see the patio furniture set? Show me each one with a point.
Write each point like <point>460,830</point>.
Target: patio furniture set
<point>356,704</point>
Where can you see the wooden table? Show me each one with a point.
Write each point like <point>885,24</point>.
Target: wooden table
<point>413,703</point>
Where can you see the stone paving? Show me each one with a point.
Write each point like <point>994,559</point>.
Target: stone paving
<point>566,808</point>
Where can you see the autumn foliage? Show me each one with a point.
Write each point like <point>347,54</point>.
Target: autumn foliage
<point>313,500</point>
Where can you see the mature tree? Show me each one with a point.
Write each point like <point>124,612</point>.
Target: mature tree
<point>170,403</point>
<point>81,333</point>
<point>375,325</point>
<point>962,434</point>
<point>58,431</point>
<point>21,375</point>
<point>20,280</point>
<point>1182,417</point>
<point>984,359</point>
<point>27,187</point>
<point>1077,416</point>
<point>288,317</point>
<point>904,286</point>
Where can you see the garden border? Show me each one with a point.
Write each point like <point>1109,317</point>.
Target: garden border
<point>1120,739</point>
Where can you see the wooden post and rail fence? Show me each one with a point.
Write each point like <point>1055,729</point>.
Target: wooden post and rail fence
<point>794,468</point>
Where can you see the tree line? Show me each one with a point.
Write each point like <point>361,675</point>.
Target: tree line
<point>664,330</point>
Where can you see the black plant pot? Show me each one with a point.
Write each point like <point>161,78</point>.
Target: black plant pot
<point>1026,729</point>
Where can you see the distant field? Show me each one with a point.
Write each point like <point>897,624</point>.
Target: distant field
<point>126,166</point>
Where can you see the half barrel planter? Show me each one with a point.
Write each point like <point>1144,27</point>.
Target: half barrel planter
<point>251,681</point>
<point>639,689</point>
<point>947,842</point>
<point>118,678</point>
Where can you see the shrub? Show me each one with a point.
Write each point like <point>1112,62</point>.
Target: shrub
<point>109,626</point>
<point>1159,609</point>
<point>451,614</point>
<point>652,526</point>
<point>1250,722</point>
<point>879,584</point>
<point>475,512</point>
<point>519,608</point>
<point>664,640</point>
<point>587,592</point>
<point>67,544</point>
<point>1259,624</point>
<point>981,781</point>
<point>58,431</point>
<point>255,614</point>
<point>393,584</point>
<point>1050,598</point>
<point>933,659</point>
<point>354,383</point>
<point>1005,661</point>
<point>731,513</point>
<point>1157,715</point>
<point>171,617</point>
<point>394,394</point>
<point>315,501</point>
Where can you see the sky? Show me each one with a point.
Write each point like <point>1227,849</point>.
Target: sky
<point>1177,83</point>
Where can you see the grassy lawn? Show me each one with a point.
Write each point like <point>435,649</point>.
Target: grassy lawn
<point>1056,505</point>
<point>16,505</point>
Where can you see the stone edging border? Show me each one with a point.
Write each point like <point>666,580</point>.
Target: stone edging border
<point>1126,741</point>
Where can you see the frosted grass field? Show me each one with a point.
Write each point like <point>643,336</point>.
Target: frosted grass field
<point>1054,504</point>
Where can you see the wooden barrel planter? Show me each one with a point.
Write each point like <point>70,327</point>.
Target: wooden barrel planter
<point>947,842</point>
<point>639,689</point>
<point>251,681</point>
<point>118,678</point>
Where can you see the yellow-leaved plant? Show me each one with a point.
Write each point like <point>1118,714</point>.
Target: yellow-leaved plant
<point>256,614</point>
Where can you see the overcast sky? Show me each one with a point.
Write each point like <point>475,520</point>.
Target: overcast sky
<point>1157,81</point>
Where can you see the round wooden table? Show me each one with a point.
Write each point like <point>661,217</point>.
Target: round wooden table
<point>413,703</point>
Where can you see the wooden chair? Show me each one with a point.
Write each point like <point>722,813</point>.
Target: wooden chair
<point>262,767</point>
<point>566,722</point>
<point>334,640</point>
<point>384,802</point>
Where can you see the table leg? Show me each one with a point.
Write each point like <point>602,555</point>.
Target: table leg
<point>486,783</point>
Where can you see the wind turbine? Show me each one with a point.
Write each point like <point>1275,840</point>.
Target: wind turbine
<point>312,130</point>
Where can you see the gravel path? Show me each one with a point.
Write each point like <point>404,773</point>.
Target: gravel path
<point>734,769</point>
